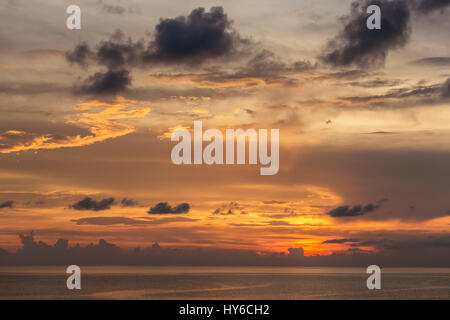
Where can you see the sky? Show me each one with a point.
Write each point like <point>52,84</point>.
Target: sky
<point>86,118</point>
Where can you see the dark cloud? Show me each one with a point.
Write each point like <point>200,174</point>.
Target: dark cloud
<point>383,132</point>
<point>110,82</point>
<point>396,98</point>
<point>128,202</point>
<point>296,252</point>
<point>229,209</point>
<point>113,9</point>
<point>357,45</point>
<point>108,221</point>
<point>274,202</point>
<point>265,65</point>
<point>426,6</point>
<point>119,52</point>
<point>262,67</point>
<point>288,213</point>
<point>81,54</point>
<point>433,61</point>
<point>358,210</point>
<point>446,89</point>
<point>412,251</point>
<point>33,88</point>
<point>191,40</point>
<point>90,204</point>
<point>6,204</point>
<point>343,75</point>
<point>375,83</point>
<point>165,208</point>
<point>199,36</point>
<point>340,241</point>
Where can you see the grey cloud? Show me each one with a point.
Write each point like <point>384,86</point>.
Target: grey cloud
<point>90,204</point>
<point>395,98</point>
<point>426,6</point>
<point>119,52</point>
<point>274,202</point>
<point>296,252</point>
<point>192,39</point>
<point>358,210</point>
<point>199,36</point>
<point>110,82</point>
<point>407,252</point>
<point>81,54</point>
<point>383,132</point>
<point>107,221</point>
<point>229,209</point>
<point>6,204</point>
<point>433,61</point>
<point>33,88</point>
<point>357,45</point>
<point>109,8</point>
<point>446,89</point>
<point>375,83</point>
<point>340,241</point>
<point>165,208</point>
<point>128,202</point>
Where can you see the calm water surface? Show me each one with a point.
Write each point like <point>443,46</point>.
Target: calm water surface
<point>114,282</point>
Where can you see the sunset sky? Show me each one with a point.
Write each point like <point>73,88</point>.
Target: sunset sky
<point>364,120</point>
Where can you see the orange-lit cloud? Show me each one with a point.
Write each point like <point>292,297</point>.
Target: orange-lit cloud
<point>103,124</point>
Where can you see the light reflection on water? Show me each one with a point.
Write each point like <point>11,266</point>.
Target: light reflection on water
<point>120,282</point>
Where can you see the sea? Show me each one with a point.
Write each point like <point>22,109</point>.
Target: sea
<point>211,283</point>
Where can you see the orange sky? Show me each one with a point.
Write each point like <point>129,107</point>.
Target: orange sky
<point>349,135</point>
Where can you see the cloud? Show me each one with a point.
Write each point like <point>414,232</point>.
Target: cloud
<point>274,202</point>
<point>90,204</point>
<point>128,202</point>
<point>80,55</point>
<point>102,124</point>
<point>229,209</point>
<point>199,36</point>
<point>6,204</point>
<point>296,252</point>
<point>357,45</point>
<point>165,208</point>
<point>113,9</point>
<point>110,82</point>
<point>446,89</point>
<point>433,61</point>
<point>358,210</point>
<point>190,40</point>
<point>375,83</point>
<point>383,132</point>
<point>119,52</point>
<point>288,213</point>
<point>108,221</point>
<point>340,241</point>
<point>395,98</point>
<point>406,252</point>
<point>426,6</point>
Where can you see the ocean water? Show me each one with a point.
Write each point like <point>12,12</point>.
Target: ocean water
<point>273,283</point>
